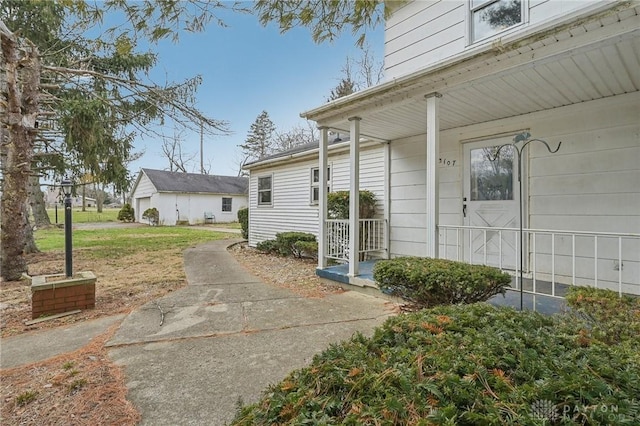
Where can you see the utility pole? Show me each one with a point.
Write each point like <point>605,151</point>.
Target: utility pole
<point>201,148</point>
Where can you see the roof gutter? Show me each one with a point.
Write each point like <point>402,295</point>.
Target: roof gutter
<point>337,147</point>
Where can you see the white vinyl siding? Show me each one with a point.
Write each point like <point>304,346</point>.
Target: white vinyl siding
<point>291,210</point>
<point>591,184</point>
<point>422,33</point>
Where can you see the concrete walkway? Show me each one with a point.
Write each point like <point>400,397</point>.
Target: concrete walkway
<point>225,337</point>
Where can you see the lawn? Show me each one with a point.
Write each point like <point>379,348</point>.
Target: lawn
<point>116,243</point>
<point>91,215</point>
<point>133,264</point>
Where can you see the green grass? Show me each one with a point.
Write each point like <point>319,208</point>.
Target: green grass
<point>119,242</point>
<point>88,216</point>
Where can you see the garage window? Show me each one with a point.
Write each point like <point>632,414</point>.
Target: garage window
<point>226,204</point>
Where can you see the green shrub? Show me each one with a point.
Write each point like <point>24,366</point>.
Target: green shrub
<point>126,213</point>
<point>338,204</point>
<point>306,249</point>
<point>243,218</point>
<point>152,215</point>
<point>430,282</point>
<point>286,242</point>
<point>610,318</point>
<point>268,246</point>
<point>459,365</point>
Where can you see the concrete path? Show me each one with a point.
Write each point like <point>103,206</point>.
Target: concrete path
<point>225,337</point>
<point>34,347</point>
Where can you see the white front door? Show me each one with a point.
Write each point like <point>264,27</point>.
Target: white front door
<point>491,201</point>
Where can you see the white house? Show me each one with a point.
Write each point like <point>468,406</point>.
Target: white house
<point>284,187</point>
<point>188,197</point>
<point>464,78</point>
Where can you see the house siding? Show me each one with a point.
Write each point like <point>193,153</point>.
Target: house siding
<point>291,209</point>
<point>190,208</point>
<point>591,184</point>
<point>423,33</point>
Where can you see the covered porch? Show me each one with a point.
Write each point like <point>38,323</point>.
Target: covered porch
<point>592,58</point>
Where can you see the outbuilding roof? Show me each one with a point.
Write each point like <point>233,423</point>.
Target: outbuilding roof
<point>166,181</point>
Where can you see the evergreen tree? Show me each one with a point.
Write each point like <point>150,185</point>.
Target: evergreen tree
<point>260,141</point>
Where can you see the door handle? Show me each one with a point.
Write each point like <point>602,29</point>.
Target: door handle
<point>464,207</point>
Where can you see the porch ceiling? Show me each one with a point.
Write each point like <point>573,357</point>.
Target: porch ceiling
<point>595,58</point>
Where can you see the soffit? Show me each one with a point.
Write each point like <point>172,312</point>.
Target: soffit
<point>596,59</point>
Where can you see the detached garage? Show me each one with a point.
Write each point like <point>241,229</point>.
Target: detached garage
<point>188,198</point>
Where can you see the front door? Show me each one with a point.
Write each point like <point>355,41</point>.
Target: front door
<point>491,201</point>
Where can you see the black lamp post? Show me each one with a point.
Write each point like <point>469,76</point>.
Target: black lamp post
<point>67,185</point>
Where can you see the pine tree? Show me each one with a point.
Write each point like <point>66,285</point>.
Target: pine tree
<point>259,142</point>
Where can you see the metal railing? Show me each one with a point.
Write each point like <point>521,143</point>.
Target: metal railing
<point>372,237</point>
<point>553,259</point>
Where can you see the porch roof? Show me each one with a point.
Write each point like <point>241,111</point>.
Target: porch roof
<point>591,57</point>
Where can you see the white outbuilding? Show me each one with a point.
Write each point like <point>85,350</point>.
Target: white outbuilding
<point>188,198</point>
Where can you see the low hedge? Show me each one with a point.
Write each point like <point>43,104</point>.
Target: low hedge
<point>460,365</point>
<point>295,244</point>
<point>610,318</point>
<point>430,282</point>
<point>286,242</point>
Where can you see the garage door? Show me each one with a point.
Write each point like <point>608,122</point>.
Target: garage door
<point>142,204</point>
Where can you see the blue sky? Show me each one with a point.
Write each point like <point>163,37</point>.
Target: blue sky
<point>247,68</point>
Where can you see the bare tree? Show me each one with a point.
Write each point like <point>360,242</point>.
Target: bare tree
<point>179,159</point>
<point>296,136</point>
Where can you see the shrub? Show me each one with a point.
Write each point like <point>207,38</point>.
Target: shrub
<point>152,215</point>
<point>243,218</point>
<point>463,365</point>
<point>338,204</point>
<point>306,249</point>
<point>268,246</point>
<point>610,318</point>
<point>126,213</point>
<point>286,242</point>
<point>429,282</point>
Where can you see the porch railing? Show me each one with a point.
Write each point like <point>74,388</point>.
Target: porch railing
<point>553,259</point>
<point>372,237</point>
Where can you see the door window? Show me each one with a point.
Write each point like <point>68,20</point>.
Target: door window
<point>491,174</point>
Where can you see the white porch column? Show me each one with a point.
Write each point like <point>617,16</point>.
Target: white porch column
<point>354,196</point>
<point>322,197</point>
<point>432,183</point>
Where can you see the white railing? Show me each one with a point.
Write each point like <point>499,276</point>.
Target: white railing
<point>372,237</point>
<point>552,259</point>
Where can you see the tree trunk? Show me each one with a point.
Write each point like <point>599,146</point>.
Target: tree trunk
<point>36,201</point>
<point>29,241</point>
<point>21,114</point>
<point>99,190</point>
<point>84,197</point>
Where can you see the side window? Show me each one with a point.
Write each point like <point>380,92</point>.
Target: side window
<point>226,204</point>
<point>489,17</point>
<point>314,193</point>
<point>265,190</point>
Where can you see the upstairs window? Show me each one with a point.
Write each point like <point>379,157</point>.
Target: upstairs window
<point>265,189</point>
<point>489,17</point>
<point>315,184</point>
<point>226,204</point>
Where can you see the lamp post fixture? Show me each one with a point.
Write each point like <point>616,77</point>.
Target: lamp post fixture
<point>67,186</point>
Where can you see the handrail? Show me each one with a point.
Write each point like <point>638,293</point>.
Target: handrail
<point>543,231</point>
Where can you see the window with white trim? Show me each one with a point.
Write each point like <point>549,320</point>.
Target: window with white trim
<point>314,194</point>
<point>489,17</point>
<point>265,190</point>
<point>226,204</point>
